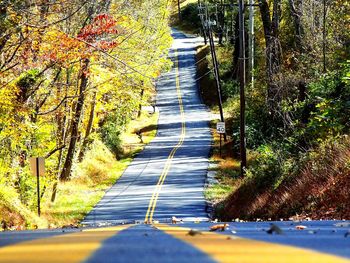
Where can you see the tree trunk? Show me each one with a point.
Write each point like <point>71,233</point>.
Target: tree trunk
<point>324,36</point>
<point>66,171</point>
<point>179,10</point>
<point>88,128</point>
<point>273,50</point>
<point>62,127</point>
<point>140,105</point>
<point>251,39</point>
<point>296,12</point>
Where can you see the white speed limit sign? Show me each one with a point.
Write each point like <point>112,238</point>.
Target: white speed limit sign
<point>220,127</point>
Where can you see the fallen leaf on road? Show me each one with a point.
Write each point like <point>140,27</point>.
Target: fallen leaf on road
<point>300,227</point>
<point>174,220</point>
<point>194,232</point>
<point>221,227</point>
<point>275,229</point>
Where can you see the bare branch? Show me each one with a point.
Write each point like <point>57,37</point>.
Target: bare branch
<point>54,150</point>
<point>59,104</point>
<point>61,20</point>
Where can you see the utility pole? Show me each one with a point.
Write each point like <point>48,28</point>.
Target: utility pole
<point>216,73</point>
<point>179,10</point>
<point>243,151</point>
<point>251,42</point>
<point>201,16</point>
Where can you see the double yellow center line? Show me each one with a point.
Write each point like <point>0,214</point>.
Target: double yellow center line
<point>231,248</point>
<point>69,248</point>
<point>155,195</point>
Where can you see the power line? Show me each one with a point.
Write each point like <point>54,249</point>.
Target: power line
<point>207,24</point>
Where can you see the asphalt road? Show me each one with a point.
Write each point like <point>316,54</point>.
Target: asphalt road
<point>167,180</point>
<point>320,242</point>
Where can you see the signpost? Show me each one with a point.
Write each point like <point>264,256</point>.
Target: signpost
<point>220,128</point>
<point>37,166</point>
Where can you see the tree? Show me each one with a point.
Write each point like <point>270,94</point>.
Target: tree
<point>273,49</point>
<point>65,68</point>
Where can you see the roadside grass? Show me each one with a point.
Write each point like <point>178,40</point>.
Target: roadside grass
<point>228,164</point>
<point>74,201</point>
<point>311,190</point>
<point>218,192</point>
<point>95,174</point>
<point>78,196</point>
<point>147,126</point>
<point>316,191</point>
<point>15,216</point>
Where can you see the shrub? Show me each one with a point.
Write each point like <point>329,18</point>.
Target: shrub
<point>110,134</point>
<point>13,212</point>
<point>96,166</point>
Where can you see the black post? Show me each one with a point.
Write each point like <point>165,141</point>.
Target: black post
<point>38,184</point>
<point>243,152</point>
<point>220,146</point>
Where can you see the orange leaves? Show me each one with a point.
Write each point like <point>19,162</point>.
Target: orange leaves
<point>220,227</point>
<point>101,26</point>
<point>58,47</point>
<point>106,45</point>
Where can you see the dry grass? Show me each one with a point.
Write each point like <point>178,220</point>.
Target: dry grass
<point>15,216</point>
<point>96,173</point>
<point>320,191</point>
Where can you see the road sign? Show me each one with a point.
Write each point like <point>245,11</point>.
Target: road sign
<point>37,165</point>
<point>220,127</point>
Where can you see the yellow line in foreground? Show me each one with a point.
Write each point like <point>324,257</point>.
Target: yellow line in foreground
<point>67,248</point>
<point>230,249</point>
<point>153,202</point>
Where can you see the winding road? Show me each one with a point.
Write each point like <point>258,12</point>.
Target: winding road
<point>165,180</point>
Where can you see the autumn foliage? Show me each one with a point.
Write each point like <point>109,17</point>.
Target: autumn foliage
<point>67,68</point>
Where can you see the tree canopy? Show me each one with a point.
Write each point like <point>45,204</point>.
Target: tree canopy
<point>68,71</point>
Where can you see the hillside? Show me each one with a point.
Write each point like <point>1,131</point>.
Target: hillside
<point>297,111</point>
